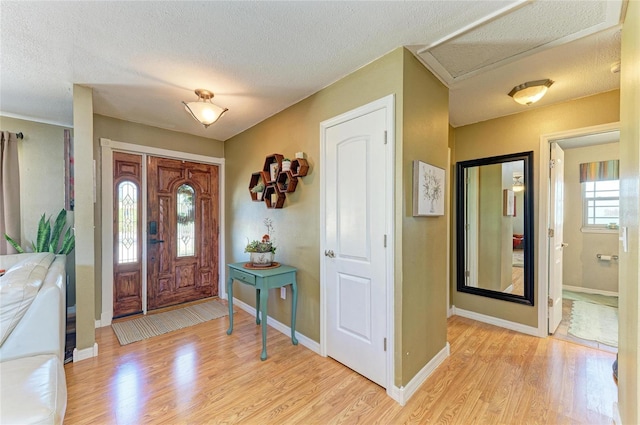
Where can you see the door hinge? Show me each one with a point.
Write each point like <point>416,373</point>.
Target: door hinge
<point>552,163</point>
<point>551,233</point>
<point>385,137</point>
<point>385,241</point>
<point>550,302</point>
<point>385,344</point>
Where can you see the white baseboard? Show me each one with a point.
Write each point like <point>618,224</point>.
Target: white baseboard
<point>450,312</point>
<point>589,290</point>
<point>403,394</point>
<point>302,339</point>
<point>85,353</point>
<point>509,289</point>
<point>518,327</point>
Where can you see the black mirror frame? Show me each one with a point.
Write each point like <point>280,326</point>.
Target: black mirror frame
<point>528,297</point>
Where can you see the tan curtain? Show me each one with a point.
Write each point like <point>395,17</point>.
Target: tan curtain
<point>9,191</point>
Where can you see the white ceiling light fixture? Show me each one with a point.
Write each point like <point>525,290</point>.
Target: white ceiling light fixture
<point>518,186</point>
<point>530,92</point>
<point>203,110</point>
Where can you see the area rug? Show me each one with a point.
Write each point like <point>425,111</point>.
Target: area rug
<point>594,322</point>
<point>157,324</point>
<point>592,298</point>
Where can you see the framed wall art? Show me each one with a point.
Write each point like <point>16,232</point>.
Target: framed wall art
<point>428,189</point>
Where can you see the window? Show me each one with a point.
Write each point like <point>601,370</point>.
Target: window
<point>601,204</point>
<point>186,221</point>
<point>127,222</point>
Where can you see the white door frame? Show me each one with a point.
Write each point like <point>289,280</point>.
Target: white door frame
<point>387,103</point>
<point>107,148</point>
<point>543,215</point>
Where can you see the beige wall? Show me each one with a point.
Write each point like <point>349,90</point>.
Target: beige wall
<point>420,286</point>
<point>521,133</point>
<point>83,217</point>
<point>581,267</point>
<point>629,363</point>
<point>137,134</point>
<point>41,158</point>
<point>423,256</point>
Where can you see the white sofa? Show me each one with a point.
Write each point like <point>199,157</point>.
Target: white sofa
<point>32,337</point>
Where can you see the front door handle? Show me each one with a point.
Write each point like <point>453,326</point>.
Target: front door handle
<point>155,241</point>
<point>329,254</point>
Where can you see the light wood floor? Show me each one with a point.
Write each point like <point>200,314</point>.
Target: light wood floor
<point>200,375</point>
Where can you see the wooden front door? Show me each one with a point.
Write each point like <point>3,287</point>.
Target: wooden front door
<point>182,229</point>
<point>127,234</point>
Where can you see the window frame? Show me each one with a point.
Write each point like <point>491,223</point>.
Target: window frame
<point>592,227</point>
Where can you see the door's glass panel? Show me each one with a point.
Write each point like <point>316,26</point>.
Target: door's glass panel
<point>127,222</point>
<point>185,201</point>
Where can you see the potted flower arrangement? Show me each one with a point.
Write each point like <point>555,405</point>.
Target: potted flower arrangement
<point>261,252</point>
<point>258,190</point>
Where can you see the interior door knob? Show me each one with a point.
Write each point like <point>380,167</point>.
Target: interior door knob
<point>329,254</point>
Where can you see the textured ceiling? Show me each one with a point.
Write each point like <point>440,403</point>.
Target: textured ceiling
<point>143,58</point>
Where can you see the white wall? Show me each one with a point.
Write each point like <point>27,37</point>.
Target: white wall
<point>581,267</point>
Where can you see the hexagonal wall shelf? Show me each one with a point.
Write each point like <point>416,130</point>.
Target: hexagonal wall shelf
<point>282,182</point>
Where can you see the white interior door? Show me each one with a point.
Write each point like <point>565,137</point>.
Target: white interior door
<point>471,226</point>
<point>556,243</point>
<point>355,268</point>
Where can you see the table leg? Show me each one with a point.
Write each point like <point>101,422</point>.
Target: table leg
<point>257,306</point>
<point>264,295</point>
<point>294,307</point>
<point>230,302</point>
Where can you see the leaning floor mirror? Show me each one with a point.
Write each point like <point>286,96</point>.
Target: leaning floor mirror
<point>494,225</point>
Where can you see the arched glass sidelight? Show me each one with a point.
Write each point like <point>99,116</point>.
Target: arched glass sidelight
<point>186,222</point>
<point>127,222</point>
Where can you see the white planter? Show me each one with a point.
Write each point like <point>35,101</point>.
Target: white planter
<point>286,165</point>
<point>259,196</point>
<point>261,259</point>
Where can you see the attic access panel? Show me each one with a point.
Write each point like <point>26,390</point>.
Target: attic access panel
<point>514,32</point>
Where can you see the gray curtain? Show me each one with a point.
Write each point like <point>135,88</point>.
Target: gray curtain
<point>9,191</point>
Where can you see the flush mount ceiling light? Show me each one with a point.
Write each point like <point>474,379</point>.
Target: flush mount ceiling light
<point>530,92</point>
<point>518,186</point>
<point>203,110</point>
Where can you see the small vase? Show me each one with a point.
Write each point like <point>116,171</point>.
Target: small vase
<point>259,196</point>
<point>286,165</point>
<point>261,259</point>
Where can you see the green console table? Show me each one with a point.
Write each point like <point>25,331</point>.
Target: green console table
<point>263,280</point>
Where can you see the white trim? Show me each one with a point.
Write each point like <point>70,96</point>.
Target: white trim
<point>589,290</point>
<point>35,119</point>
<point>599,230</point>
<point>302,339</point>
<point>543,214</point>
<point>85,353</point>
<point>107,148</point>
<point>388,104</point>
<point>518,327</point>
<point>448,196</point>
<point>403,394</point>
<point>98,324</point>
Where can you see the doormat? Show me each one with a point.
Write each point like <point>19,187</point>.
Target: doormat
<point>161,323</point>
<point>594,322</point>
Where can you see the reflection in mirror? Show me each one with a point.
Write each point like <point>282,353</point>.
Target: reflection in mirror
<point>495,227</point>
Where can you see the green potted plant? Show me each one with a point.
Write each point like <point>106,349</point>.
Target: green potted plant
<point>48,238</point>
<point>258,190</point>
<point>286,164</point>
<point>261,252</point>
